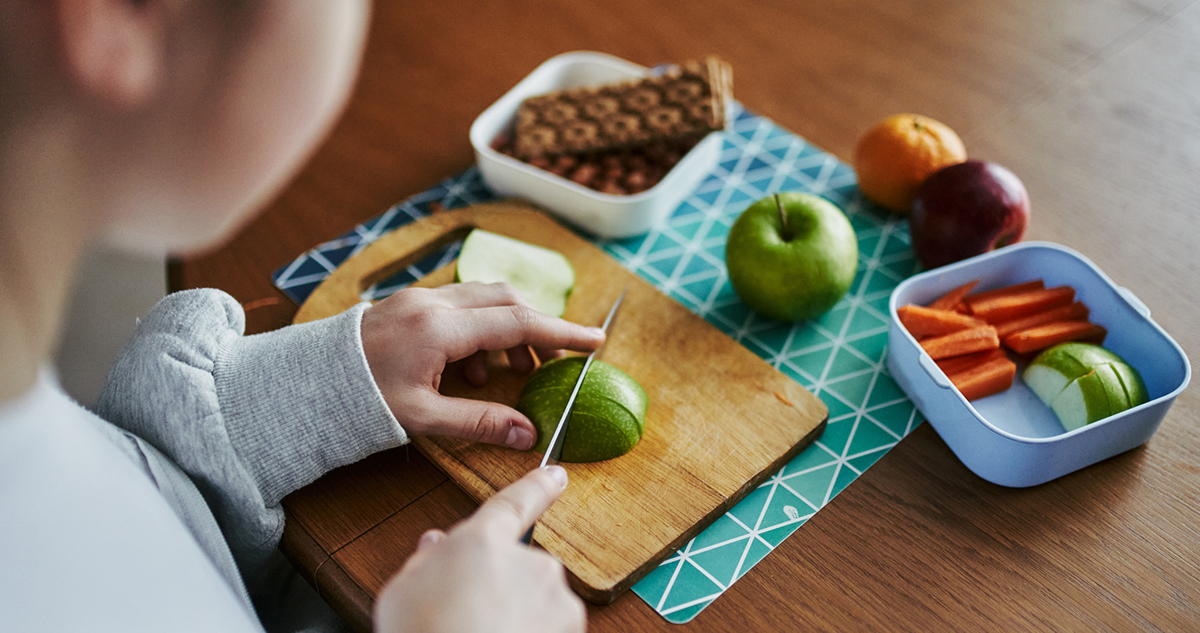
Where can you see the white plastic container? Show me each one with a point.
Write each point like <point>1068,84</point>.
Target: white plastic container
<point>1011,438</point>
<point>603,214</point>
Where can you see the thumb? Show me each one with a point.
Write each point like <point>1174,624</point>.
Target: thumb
<point>477,420</point>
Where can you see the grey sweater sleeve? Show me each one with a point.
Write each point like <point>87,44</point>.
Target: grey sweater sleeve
<point>248,418</point>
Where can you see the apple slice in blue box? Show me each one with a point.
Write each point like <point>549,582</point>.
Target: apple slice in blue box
<point>1084,383</point>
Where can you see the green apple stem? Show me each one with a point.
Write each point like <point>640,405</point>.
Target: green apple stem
<point>787,234</point>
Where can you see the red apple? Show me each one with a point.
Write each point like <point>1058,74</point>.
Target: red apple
<point>965,210</point>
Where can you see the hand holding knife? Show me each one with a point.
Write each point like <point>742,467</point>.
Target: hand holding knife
<point>555,448</point>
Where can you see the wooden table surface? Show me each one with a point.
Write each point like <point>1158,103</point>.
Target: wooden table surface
<point>1095,104</point>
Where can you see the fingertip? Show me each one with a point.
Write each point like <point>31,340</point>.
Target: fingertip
<point>558,474</point>
<point>430,537</point>
<point>596,337</point>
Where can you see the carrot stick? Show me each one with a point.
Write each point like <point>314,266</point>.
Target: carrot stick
<point>956,364</point>
<point>921,321</point>
<point>1045,335</point>
<point>976,339</point>
<point>1070,312</point>
<point>1036,284</point>
<point>951,299</point>
<point>961,308</point>
<point>986,379</point>
<point>1001,308</point>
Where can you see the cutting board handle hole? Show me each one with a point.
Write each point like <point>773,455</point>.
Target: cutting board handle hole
<point>453,237</point>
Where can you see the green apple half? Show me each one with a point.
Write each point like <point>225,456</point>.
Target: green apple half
<point>1083,383</point>
<point>541,276</point>
<point>609,416</point>
<point>792,256</point>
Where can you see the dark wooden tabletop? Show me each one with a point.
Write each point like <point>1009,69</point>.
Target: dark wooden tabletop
<point>1094,103</point>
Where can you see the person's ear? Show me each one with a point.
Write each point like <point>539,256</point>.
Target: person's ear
<point>114,49</point>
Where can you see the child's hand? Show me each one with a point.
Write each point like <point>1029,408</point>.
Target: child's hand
<point>411,336</point>
<point>480,578</point>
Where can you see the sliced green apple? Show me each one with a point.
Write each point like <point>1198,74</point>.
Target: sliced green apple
<point>1135,389</point>
<point>541,276</point>
<point>1047,380</point>
<point>1083,401</point>
<point>1083,383</point>
<point>1050,373</point>
<point>609,416</point>
<point>1087,354</point>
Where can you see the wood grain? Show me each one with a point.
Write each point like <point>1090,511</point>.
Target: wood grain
<point>714,431</point>
<point>338,508</point>
<point>1093,103</point>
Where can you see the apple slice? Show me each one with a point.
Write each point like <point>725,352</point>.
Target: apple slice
<point>541,276</point>
<point>609,416</point>
<point>1091,397</point>
<point>1083,383</point>
<point>1135,389</point>
<point>1050,373</point>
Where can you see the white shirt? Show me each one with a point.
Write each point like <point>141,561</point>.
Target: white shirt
<point>87,543</point>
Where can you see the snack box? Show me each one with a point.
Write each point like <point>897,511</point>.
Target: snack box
<point>605,215</point>
<point>1012,438</point>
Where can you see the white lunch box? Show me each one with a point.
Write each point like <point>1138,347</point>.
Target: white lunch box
<point>605,215</point>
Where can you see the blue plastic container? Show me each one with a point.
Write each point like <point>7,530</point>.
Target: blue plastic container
<point>1012,438</point>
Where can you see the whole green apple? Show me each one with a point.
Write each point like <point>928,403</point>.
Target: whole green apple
<point>792,256</point>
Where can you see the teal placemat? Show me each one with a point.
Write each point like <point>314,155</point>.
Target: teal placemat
<point>840,357</point>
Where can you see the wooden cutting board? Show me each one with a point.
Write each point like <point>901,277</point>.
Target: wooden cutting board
<point>721,420</point>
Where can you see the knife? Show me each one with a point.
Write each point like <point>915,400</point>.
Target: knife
<point>555,448</point>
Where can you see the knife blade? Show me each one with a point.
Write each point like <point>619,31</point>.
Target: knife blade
<point>558,439</point>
